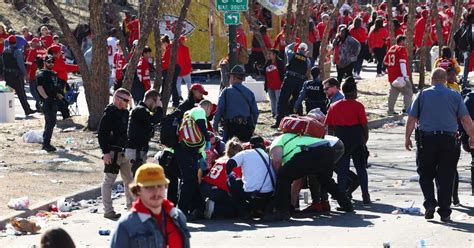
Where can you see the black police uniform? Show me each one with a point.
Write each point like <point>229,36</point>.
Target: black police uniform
<point>51,85</point>
<point>292,83</point>
<point>314,95</point>
<point>112,134</point>
<point>14,77</point>
<point>141,130</point>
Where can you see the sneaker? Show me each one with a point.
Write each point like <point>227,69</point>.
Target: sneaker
<point>446,219</point>
<point>366,199</point>
<point>209,210</point>
<point>48,148</point>
<point>379,75</point>
<point>429,213</point>
<point>277,216</point>
<point>456,201</point>
<point>392,113</point>
<point>29,112</point>
<point>313,208</point>
<point>325,206</point>
<point>112,215</point>
<point>357,77</point>
<point>194,215</point>
<point>349,208</point>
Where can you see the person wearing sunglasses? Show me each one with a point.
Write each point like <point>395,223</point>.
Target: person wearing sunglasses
<point>112,136</point>
<point>49,89</point>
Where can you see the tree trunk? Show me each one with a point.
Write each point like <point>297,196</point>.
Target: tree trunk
<point>439,31</point>
<point>423,48</point>
<point>391,29</point>
<point>158,52</point>
<point>299,19</point>
<point>325,40</point>
<point>289,9</point>
<point>145,30</point>
<point>95,82</point>
<point>174,49</point>
<point>304,22</point>
<point>253,23</point>
<point>456,22</point>
<point>115,16</point>
<point>410,33</point>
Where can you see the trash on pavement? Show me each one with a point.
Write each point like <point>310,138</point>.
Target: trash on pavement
<point>56,181</point>
<point>33,136</point>
<point>54,161</point>
<point>63,205</point>
<point>25,225</point>
<point>69,129</point>
<point>415,178</point>
<point>411,211</point>
<point>104,232</point>
<point>21,203</point>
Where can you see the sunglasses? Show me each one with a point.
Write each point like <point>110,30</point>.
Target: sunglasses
<point>326,88</point>
<point>124,99</point>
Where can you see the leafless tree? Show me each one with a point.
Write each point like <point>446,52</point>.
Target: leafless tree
<point>410,35</point>
<point>423,48</point>
<point>391,29</point>
<point>439,30</point>
<point>456,22</point>
<point>288,30</point>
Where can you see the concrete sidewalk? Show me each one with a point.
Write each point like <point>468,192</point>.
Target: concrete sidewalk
<point>370,226</point>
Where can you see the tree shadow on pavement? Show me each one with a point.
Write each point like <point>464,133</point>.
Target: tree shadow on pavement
<point>457,226</point>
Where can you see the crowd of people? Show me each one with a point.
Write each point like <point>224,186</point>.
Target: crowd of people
<point>213,164</point>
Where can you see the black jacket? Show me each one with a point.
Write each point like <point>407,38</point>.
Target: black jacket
<point>141,126</point>
<point>188,104</point>
<point>463,38</point>
<point>113,129</point>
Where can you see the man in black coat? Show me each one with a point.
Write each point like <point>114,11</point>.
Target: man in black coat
<point>141,127</point>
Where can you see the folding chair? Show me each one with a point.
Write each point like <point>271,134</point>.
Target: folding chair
<point>71,99</point>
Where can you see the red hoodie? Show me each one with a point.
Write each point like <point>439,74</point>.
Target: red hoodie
<point>184,60</point>
<point>62,68</point>
<point>378,39</point>
<point>172,232</point>
<point>143,73</point>
<point>165,58</point>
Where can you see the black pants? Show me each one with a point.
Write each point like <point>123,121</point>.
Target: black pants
<point>344,72</point>
<point>170,165</point>
<point>190,197</point>
<point>63,107</point>
<point>317,161</point>
<point>253,204</point>
<point>437,158</point>
<point>379,56</point>
<point>49,110</point>
<point>316,47</point>
<point>174,90</point>
<point>15,80</point>
<point>223,206</point>
<point>291,89</point>
<point>242,131</point>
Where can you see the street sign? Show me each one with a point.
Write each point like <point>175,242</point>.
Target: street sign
<point>231,18</point>
<point>232,5</point>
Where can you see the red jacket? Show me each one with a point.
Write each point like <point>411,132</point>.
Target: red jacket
<point>165,58</point>
<point>419,31</point>
<point>47,40</point>
<point>360,34</point>
<point>184,60</point>
<point>3,37</point>
<point>62,68</point>
<point>241,38</point>
<point>134,29</point>
<point>378,39</point>
<point>280,42</point>
<point>30,62</point>
<point>143,73</point>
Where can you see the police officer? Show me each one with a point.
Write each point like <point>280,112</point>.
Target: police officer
<point>238,108</point>
<point>296,71</point>
<point>143,119</point>
<point>437,152</point>
<point>312,93</point>
<point>293,157</point>
<point>15,72</point>
<point>112,136</point>
<point>49,89</point>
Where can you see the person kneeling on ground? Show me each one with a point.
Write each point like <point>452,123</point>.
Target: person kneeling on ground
<point>258,179</point>
<point>294,157</point>
<point>153,221</point>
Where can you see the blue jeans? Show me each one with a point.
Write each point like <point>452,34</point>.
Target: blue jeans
<point>274,95</point>
<point>34,93</point>
<point>465,74</point>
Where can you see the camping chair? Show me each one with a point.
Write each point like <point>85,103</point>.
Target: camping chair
<point>71,98</point>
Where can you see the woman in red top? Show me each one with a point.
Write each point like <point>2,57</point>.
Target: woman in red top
<point>165,64</point>
<point>360,34</point>
<point>321,27</point>
<point>215,187</point>
<point>377,44</point>
<point>274,73</point>
<point>46,38</point>
<point>184,61</point>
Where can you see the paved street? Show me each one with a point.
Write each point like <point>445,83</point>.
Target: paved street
<point>390,186</point>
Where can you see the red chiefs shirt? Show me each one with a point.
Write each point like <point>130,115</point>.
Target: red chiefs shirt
<point>134,29</point>
<point>395,56</point>
<point>62,68</point>
<point>272,77</point>
<point>33,53</point>
<point>360,34</point>
<point>241,38</point>
<point>47,40</point>
<point>419,31</point>
<point>165,58</point>
<point>3,37</point>
<point>280,41</point>
<point>184,60</point>
<point>217,175</point>
<point>345,20</point>
<point>172,232</point>
<point>346,112</point>
<point>119,63</point>
<point>143,72</point>
<point>377,39</point>
<point>320,27</point>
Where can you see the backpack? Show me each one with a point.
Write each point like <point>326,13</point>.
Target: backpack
<point>243,58</point>
<point>446,64</point>
<point>303,125</point>
<point>189,132</point>
<point>169,128</point>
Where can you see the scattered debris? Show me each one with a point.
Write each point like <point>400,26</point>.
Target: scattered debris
<point>56,181</point>
<point>21,203</point>
<point>415,178</point>
<point>63,205</point>
<point>53,161</point>
<point>25,225</point>
<point>91,141</point>
<point>33,136</point>
<point>104,232</point>
<point>69,129</point>
<point>10,139</point>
